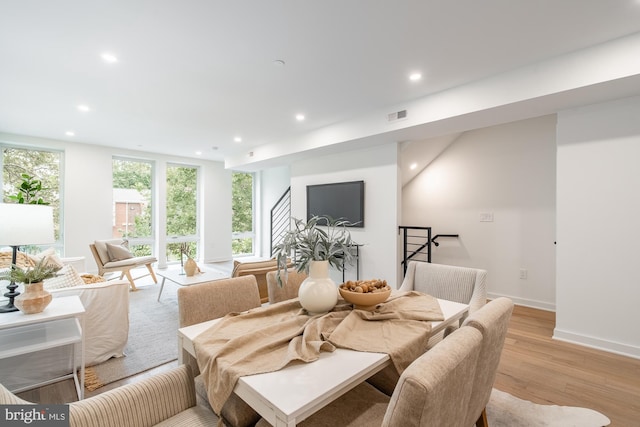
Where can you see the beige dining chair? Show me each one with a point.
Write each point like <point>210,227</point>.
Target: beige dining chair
<point>460,284</point>
<point>492,321</point>
<point>289,287</point>
<point>432,391</point>
<point>211,300</point>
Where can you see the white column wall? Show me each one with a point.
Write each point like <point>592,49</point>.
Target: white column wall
<point>598,221</point>
<point>377,167</point>
<point>507,171</point>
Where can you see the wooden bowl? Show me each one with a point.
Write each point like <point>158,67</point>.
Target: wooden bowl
<point>365,301</point>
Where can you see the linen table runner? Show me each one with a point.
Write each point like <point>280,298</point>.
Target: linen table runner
<point>266,339</point>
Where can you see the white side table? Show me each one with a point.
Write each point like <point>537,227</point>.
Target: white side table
<point>60,324</point>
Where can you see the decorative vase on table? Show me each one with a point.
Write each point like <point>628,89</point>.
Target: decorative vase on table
<point>34,299</point>
<point>190,267</point>
<point>318,292</point>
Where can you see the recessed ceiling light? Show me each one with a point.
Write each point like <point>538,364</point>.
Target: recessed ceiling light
<point>214,148</point>
<point>84,108</point>
<point>414,77</point>
<point>198,153</point>
<point>299,117</point>
<point>109,57</point>
<point>413,166</point>
<point>70,133</point>
<point>237,139</point>
<point>279,62</point>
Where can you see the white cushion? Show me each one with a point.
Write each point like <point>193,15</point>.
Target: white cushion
<point>67,277</point>
<point>50,258</point>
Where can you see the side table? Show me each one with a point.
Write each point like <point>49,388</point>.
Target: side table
<point>60,324</point>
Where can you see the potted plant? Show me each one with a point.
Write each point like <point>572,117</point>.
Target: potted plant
<point>315,245</point>
<point>28,191</point>
<point>190,267</point>
<point>35,299</point>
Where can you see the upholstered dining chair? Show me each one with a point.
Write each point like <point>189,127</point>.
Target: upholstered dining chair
<point>460,284</point>
<point>113,256</point>
<point>492,321</point>
<point>289,288</point>
<point>432,391</point>
<point>168,398</point>
<point>211,300</point>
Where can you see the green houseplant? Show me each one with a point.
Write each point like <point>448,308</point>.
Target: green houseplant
<point>28,191</point>
<point>35,299</point>
<point>314,246</point>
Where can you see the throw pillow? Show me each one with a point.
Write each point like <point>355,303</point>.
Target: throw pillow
<point>50,257</point>
<point>67,277</point>
<point>118,253</point>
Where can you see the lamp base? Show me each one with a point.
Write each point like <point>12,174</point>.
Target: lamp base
<point>8,308</point>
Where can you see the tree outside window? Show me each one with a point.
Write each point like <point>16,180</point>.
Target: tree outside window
<point>242,220</point>
<point>182,210</point>
<point>132,207</point>
<point>43,165</point>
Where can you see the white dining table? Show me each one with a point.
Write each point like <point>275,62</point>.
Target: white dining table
<point>288,396</point>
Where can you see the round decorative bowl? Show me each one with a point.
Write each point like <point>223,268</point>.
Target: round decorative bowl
<point>366,300</point>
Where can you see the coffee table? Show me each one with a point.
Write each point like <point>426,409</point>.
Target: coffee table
<point>177,276</point>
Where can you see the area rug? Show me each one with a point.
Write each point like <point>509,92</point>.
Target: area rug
<point>152,340</point>
<point>505,410</point>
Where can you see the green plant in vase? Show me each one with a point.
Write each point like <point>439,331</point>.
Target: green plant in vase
<point>314,246</point>
<point>35,299</point>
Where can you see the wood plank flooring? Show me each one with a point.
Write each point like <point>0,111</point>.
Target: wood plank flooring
<point>533,367</point>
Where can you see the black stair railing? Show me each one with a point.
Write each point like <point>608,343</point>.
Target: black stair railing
<point>416,244</point>
<point>280,218</point>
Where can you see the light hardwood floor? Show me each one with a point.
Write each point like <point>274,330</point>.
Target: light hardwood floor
<point>533,367</point>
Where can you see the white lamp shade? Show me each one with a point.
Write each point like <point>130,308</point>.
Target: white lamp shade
<point>22,224</point>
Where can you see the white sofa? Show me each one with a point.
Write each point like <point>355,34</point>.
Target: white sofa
<point>106,319</point>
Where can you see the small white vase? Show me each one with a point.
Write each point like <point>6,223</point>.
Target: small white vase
<point>318,292</point>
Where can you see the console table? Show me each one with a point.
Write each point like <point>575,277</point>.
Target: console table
<point>60,324</point>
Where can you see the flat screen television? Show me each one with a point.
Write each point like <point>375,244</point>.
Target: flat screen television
<point>343,200</point>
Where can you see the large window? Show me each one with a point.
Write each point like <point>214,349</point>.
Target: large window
<point>243,238</point>
<point>44,165</point>
<point>132,204</point>
<point>182,211</point>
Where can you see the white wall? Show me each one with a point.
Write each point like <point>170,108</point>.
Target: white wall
<point>598,217</point>
<point>273,183</point>
<point>87,195</point>
<point>509,171</point>
<point>377,167</point>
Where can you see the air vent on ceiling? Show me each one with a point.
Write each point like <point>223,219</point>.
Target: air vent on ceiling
<point>398,115</point>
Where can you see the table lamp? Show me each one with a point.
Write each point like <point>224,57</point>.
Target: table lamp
<point>22,224</point>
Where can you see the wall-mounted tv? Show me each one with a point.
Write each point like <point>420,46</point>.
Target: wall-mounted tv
<point>338,200</point>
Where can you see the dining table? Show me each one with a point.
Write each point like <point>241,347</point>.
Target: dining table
<point>287,396</point>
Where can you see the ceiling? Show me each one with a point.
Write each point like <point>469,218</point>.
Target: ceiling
<point>192,75</point>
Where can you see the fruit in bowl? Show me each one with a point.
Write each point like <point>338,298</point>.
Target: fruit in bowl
<point>365,294</point>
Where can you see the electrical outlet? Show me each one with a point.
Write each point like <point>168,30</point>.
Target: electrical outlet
<point>523,273</point>
<point>486,216</point>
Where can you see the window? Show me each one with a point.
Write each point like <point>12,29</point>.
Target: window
<point>44,165</point>
<point>132,204</point>
<point>243,237</point>
<point>182,211</point>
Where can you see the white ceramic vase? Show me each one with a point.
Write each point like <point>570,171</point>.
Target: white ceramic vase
<point>318,292</point>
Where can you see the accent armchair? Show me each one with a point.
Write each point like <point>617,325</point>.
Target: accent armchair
<point>164,399</point>
<point>259,269</point>
<point>108,262</point>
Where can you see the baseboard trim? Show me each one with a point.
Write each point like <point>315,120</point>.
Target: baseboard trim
<point>597,343</point>
<point>541,305</point>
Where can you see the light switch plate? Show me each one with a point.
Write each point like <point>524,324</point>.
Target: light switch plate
<point>486,216</point>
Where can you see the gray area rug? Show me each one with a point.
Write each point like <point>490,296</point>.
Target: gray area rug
<point>152,340</point>
<point>505,410</point>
